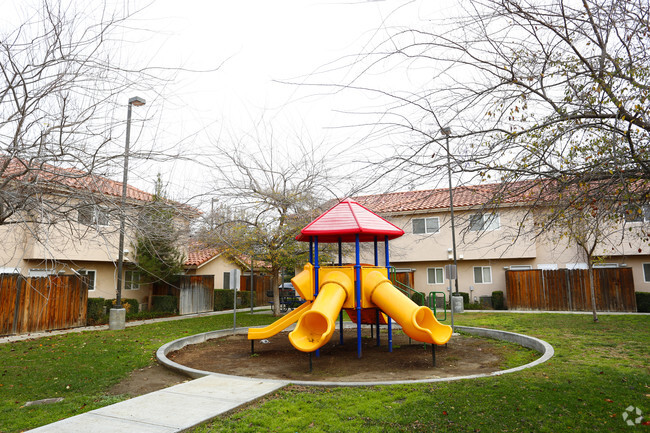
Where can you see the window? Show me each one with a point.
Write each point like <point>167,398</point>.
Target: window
<point>226,280</point>
<point>38,273</point>
<point>92,215</point>
<point>605,265</point>
<point>7,270</point>
<point>520,267</point>
<point>634,213</point>
<point>484,222</point>
<point>426,225</point>
<point>580,265</point>
<point>131,280</point>
<point>435,276</point>
<point>547,266</point>
<point>91,278</point>
<point>482,274</point>
<point>646,272</point>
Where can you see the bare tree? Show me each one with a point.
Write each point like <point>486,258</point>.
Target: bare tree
<point>62,98</point>
<point>266,192</point>
<point>64,86</point>
<point>555,93</point>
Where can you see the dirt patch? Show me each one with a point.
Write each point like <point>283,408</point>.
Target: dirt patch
<point>277,359</point>
<point>147,380</point>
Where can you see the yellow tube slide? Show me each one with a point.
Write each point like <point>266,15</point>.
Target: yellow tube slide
<point>418,322</point>
<point>280,324</point>
<point>316,326</point>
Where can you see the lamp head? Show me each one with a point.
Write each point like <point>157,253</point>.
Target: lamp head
<point>137,101</point>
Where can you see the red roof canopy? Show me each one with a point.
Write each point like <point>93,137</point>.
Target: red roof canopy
<point>347,219</point>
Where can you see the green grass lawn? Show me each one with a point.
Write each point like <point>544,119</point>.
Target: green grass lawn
<point>81,367</point>
<point>599,369</point>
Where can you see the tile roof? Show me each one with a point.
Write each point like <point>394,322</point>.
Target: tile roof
<point>464,196</point>
<point>48,174</point>
<point>197,257</point>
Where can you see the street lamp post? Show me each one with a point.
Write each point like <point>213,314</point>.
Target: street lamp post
<point>446,131</point>
<point>117,318</point>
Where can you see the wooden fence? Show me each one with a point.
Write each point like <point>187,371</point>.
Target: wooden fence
<point>568,290</point>
<point>41,304</point>
<point>262,283</point>
<point>196,294</point>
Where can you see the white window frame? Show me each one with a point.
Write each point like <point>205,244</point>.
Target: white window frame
<point>646,275</point>
<point>226,280</point>
<point>548,266</point>
<point>579,265</point>
<point>131,283</point>
<point>437,271</point>
<point>488,222</point>
<point>427,230</point>
<point>483,269</point>
<point>40,273</point>
<point>93,280</point>
<point>520,267</point>
<point>98,218</point>
<point>9,270</point>
<point>605,265</point>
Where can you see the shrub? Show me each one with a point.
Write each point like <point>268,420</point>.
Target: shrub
<point>95,311</point>
<point>465,297</point>
<point>418,298</point>
<point>164,303</point>
<point>223,299</point>
<point>642,302</point>
<point>498,301</point>
<point>245,296</point>
<point>130,305</point>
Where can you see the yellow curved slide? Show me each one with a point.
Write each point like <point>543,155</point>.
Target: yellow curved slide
<point>418,322</point>
<point>280,324</point>
<point>315,327</point>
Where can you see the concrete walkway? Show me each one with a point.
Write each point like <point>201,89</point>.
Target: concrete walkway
<point>172,409</point>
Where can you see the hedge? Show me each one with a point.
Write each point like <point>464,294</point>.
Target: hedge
<point>223,299</point>
<point>642,302</point>
<point>164,303</point>
<point>498,300</point>
<point>95,310</point>
<point>131,306</point>
<point>418,298</point>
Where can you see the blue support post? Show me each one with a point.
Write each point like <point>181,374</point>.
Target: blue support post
<point>311,250</point>
<point>357,290</point>
<point>377,318</point>
<point>341,312</point>
<point>376,255</point>
<point>316,268</point>
<point>378,328</point>
<point>390,328</point>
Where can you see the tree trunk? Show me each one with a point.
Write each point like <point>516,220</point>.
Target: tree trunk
<point>276,293</point>
<point>592,290</point>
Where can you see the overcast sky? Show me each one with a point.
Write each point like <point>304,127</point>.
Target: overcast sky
<point>257,47</point>
<point>249,51</point>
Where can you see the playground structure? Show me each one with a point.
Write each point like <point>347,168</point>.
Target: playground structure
<point>364,291</point>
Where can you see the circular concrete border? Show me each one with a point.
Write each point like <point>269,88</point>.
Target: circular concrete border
<point>541,346</point>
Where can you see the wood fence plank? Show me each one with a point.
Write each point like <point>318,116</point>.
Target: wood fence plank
<point>568,290</point>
